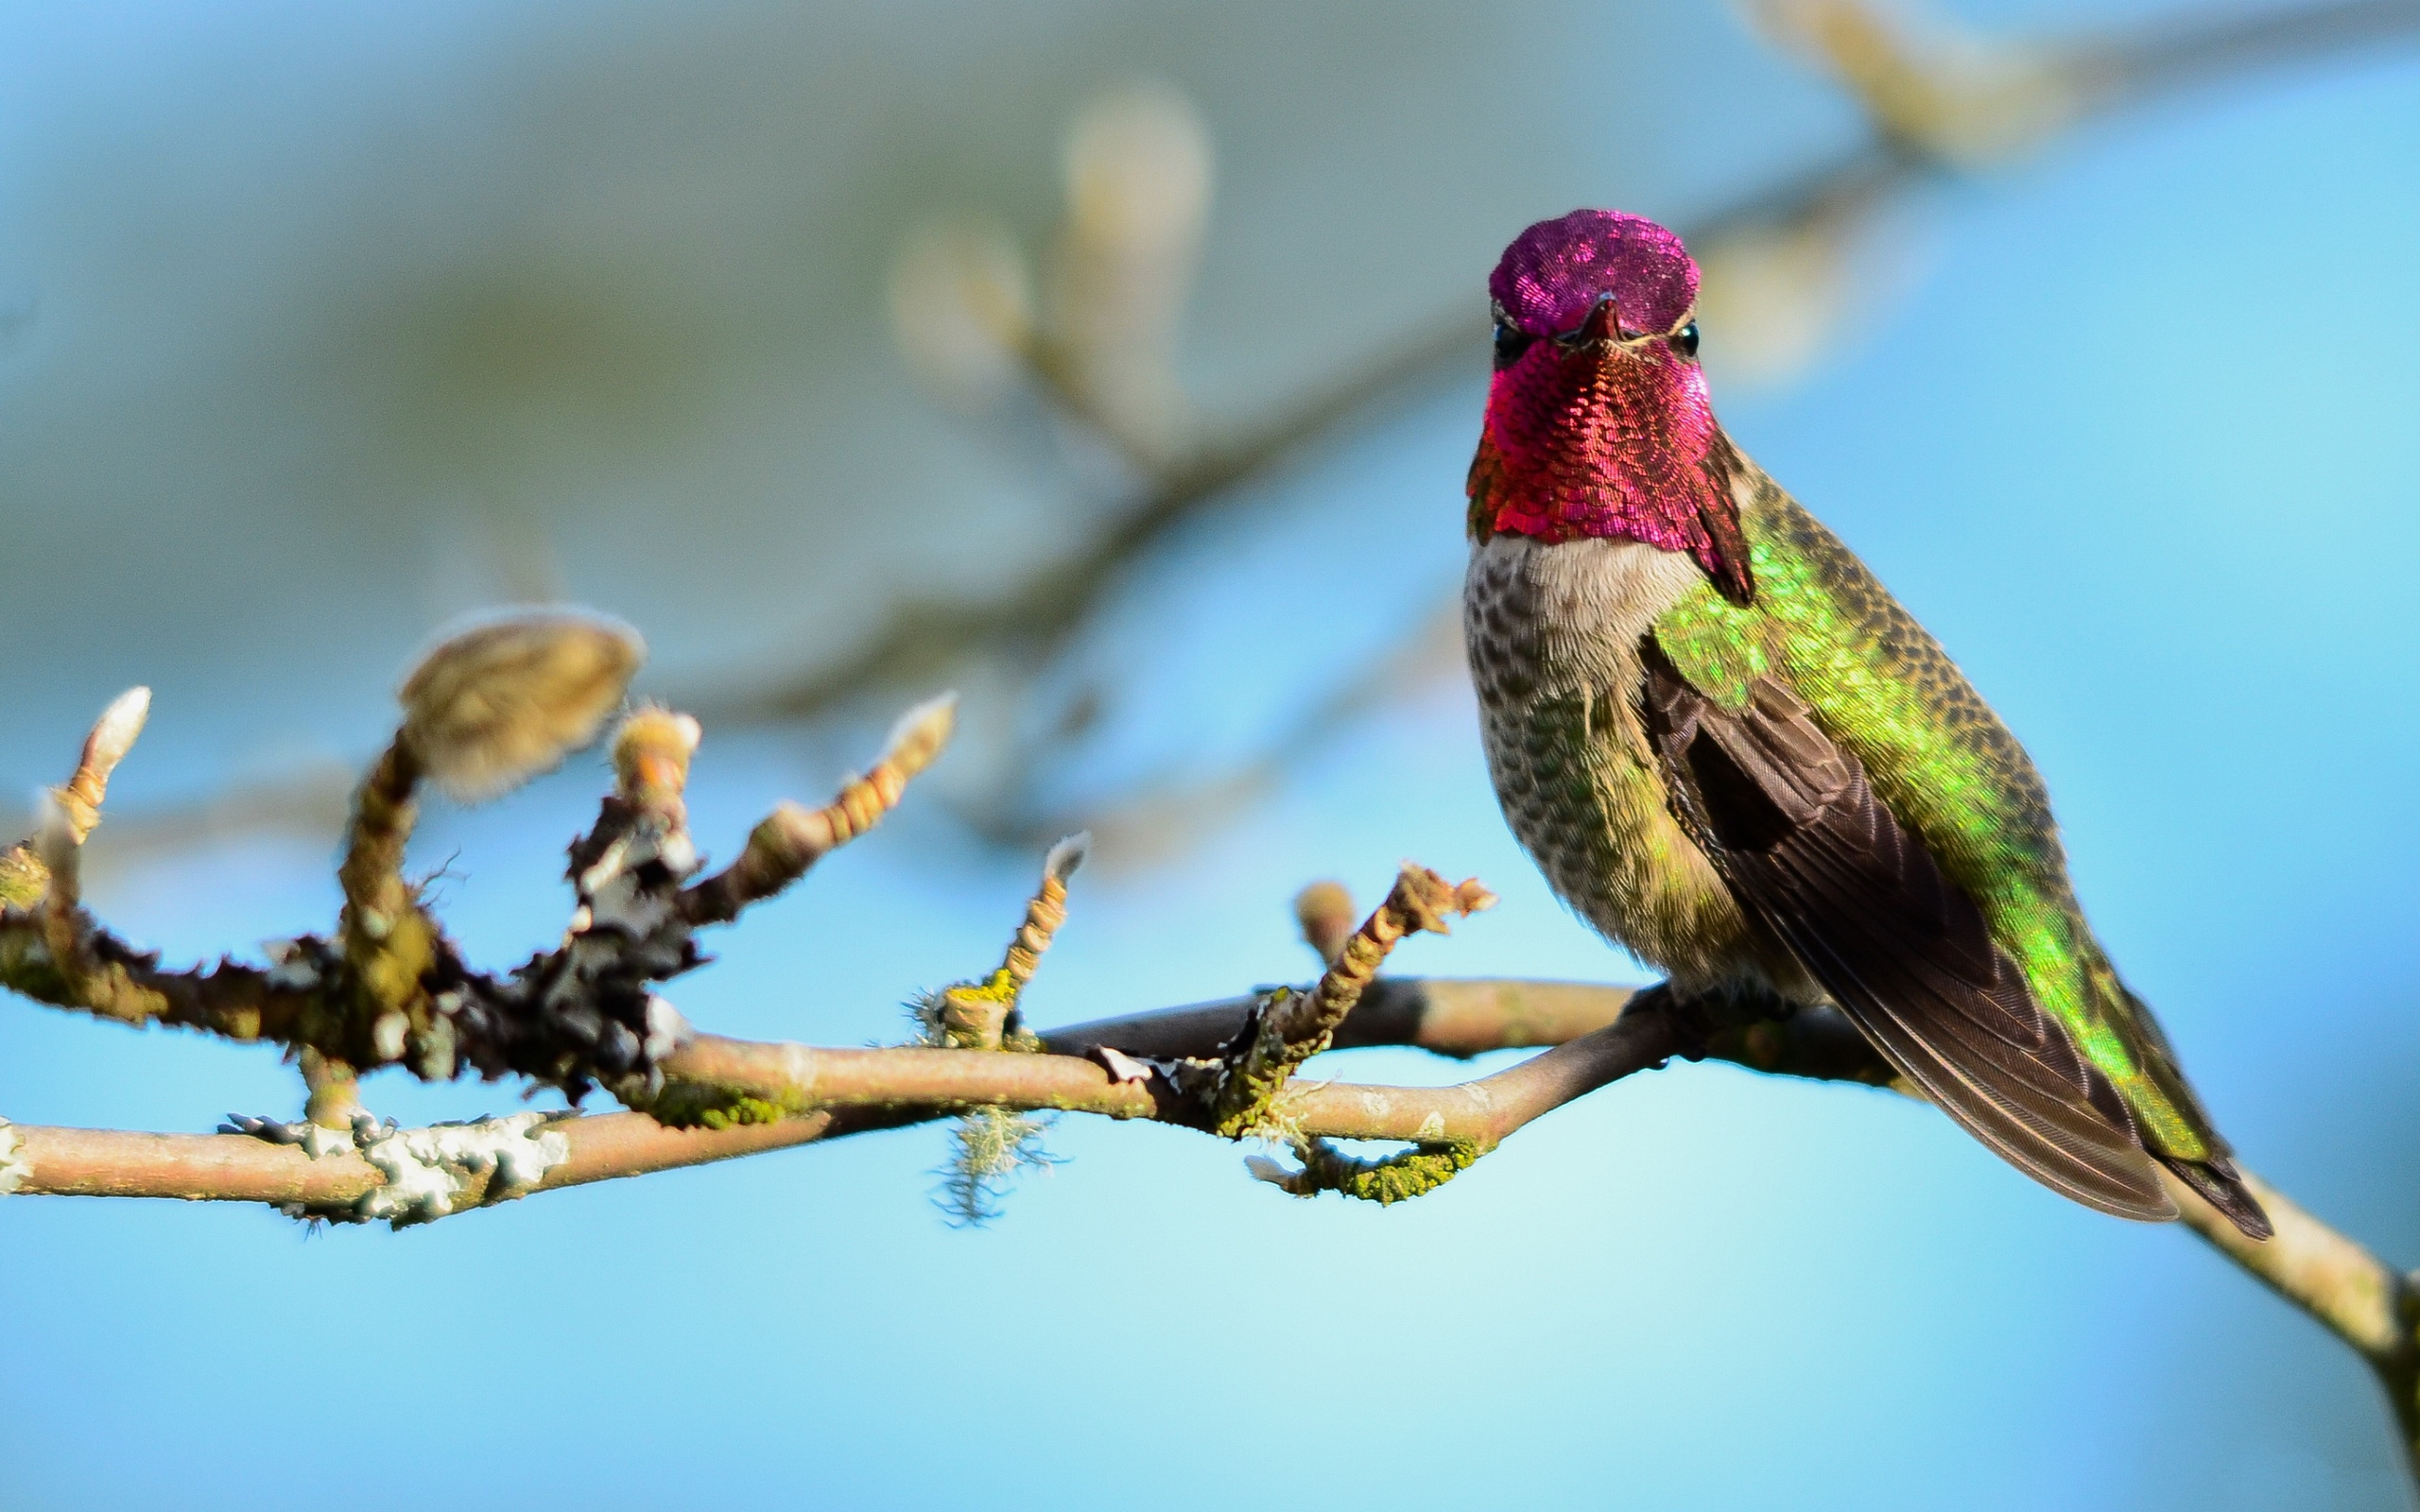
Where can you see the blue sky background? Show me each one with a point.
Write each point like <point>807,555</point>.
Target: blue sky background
<point>2133,440</point>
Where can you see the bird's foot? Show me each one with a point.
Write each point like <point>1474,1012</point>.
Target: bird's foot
<point>1706,1024</point>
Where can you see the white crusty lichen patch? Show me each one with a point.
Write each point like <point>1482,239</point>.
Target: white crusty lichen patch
<point>14,1167</point>
<point>424,1167</point>
<point>427,1169</point>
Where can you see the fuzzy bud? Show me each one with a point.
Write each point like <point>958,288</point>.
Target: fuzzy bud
<point>1137,170</point>
<point>1324,910</point>
<point>114,734</point>
<point>651,753</point>
<point>920,734</point>
<point>496,704</point>
<point>1066,856</point>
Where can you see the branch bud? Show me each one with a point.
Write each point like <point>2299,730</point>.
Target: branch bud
<point>496,705</point>
<point>1324,910</point>
<point>1137,171</point>
<point>651,753</point>
<point>112,736</point>
<point>918,735</point>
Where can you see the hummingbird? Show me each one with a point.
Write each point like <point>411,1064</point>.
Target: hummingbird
<point>1735,754</point>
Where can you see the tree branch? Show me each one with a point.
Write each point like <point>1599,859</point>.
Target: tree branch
<point>585,1012</point>
<point>837,1093</point>
<point>805,1095</point>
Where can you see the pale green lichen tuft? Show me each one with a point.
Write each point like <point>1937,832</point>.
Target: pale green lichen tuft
<point>990,1145</point>
<point>993,1144</point>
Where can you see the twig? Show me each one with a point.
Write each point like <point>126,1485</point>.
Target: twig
<point>1291,1028</point>
<point>1443,1015</point>
<point>846,1091</point>
<point>397,991</point>
<point>780,849</point>
<point>1047,910</point>
<point>2374,1307</point>
<point>113,735</point>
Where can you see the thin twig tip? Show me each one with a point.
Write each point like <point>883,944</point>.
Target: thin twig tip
<point>652,724</point>
<point>920,732</point>
<point>1067,855</point>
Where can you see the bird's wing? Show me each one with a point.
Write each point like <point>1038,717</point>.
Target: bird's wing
<point>1798,835</point>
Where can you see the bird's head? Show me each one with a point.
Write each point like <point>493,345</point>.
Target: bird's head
<point>1598,421</point>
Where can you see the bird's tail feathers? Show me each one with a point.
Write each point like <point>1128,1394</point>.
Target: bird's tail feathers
<point>2222,1186</point>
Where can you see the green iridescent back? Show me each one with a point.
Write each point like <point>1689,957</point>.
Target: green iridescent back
<point>1943,763</point>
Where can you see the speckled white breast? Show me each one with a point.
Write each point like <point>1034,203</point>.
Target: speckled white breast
<point>1553,634</point>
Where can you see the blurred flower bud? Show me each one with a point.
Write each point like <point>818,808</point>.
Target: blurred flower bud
<point>1766,300</point>
<point>961,306</point>
<point>1137,171</point>
<point>498,704</point>
<point>1776,296</point>
<point>1954,95</point>
<point>1325,912</point>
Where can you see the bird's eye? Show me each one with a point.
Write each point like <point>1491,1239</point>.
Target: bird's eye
<point>1685,340</point>
<point>1510,342</point>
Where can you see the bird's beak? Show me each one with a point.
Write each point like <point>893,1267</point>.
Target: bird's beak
<point>1592,331</point>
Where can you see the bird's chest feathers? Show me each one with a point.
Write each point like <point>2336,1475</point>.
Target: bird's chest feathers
<point>1553,634</point>
<point>1570,614</point>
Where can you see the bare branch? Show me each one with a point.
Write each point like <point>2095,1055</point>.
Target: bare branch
<point>396,990</point>
<point>805,1095</point>
<point>1447,1016</point>
<point>2363,1301</point>
<point>836,1093</point>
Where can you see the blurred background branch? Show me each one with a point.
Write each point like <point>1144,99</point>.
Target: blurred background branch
<point>1780,268</point>
<point>1086,342</point>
